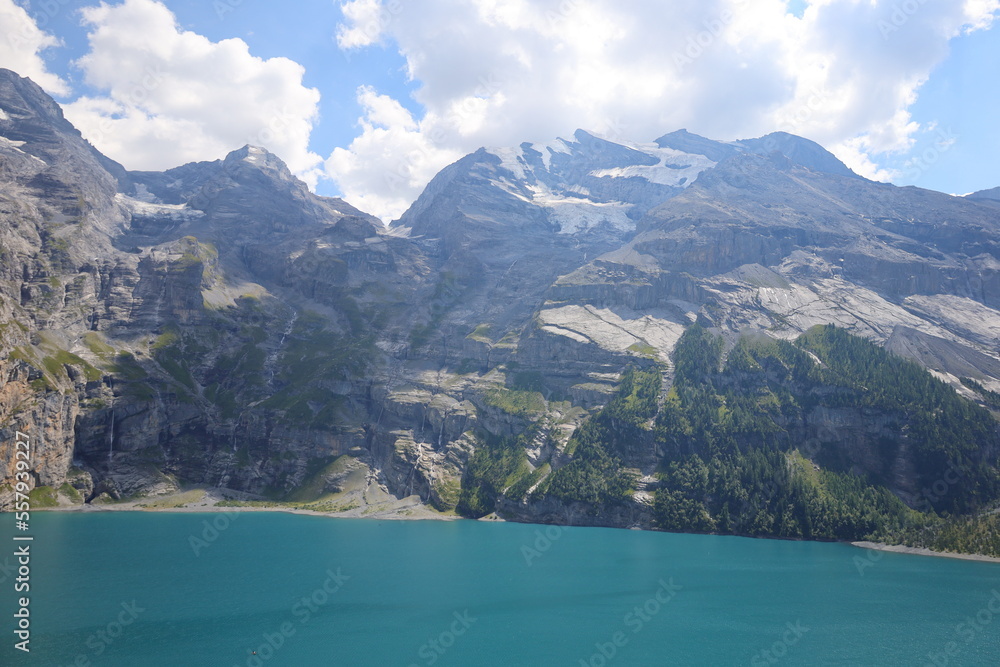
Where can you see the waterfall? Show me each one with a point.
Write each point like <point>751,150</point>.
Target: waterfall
<point>111,431</point>
<point>272,358</point>
<point>111,437</point>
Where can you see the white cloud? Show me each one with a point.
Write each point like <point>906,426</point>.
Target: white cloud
<point>22,45</point>
<point>174,96</point>
<point>366,21</point>
<point>499,72</point>
<point>393,157</point>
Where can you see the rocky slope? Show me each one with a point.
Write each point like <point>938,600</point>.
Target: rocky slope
<point>217,324</point>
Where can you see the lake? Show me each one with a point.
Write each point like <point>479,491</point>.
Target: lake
<point>189,589</point>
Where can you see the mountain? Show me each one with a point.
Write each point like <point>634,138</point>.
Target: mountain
<point>992,193</point>
<point>540,335</point>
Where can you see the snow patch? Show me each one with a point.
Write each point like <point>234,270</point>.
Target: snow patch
<point>548,148</point>
<point>254,153</point>
<point>578,215</point>
<point>176,212</point>
<point>675,168</point>
<point>10,143</point>
<point>398,231</point>
<point>15,146</point>
<point>143,194</point>
<point>511,159</point>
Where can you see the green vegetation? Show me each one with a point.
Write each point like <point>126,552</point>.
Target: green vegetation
<point>519,489</point>
<point>60,358</point>
<point>766,492</point>
<point>596,475</point>
<point>55,250</point>
<point>52,362</point>
<point>96,344</point>
<point>531,381</point>
<point>173,360</point>
<point>175,501</point>
<point>943,430</point>
<point>43,496</point>
<point>492,469</point>
<point>193,253</point>
<point>312,358</point>
<point>733,435</point>
<point>126,366</point>
<point>251,503</point>
<point>748,446</point>
<point>991,398</point>
<point>978,534</point>
<point>644,349</point>
<point>330,507</point>
<point>593,476</point>
<point>449,492</point>
<point>516,402</point>
<point>70,493</point>
<point>481,334</point>
<point>318,471</point>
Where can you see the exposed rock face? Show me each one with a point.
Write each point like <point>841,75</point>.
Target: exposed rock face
<point>992,193</point>
<point>219,324</point>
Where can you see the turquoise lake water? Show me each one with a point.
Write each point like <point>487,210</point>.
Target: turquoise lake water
<point>141,589</point>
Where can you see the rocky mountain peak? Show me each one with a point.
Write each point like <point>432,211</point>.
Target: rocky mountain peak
<point>688,142</point>
<point>23,100</point>
<point>257,158</point>
<point>587,184</point>
<point>802,151</point>
<point>43,152</point>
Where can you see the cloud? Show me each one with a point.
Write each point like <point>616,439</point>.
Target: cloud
<point>366,20</point>
<point>392,158</point>
<point>21,47</point>
<point>499,72</point>
<point>173,96</point>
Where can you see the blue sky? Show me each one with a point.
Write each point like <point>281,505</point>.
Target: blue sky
<point>370,98</point>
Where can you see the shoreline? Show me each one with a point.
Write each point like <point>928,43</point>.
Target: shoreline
<point>392,515</point>
<point>922,551</point>
<point>200,500</point>
<point>406,509</point>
